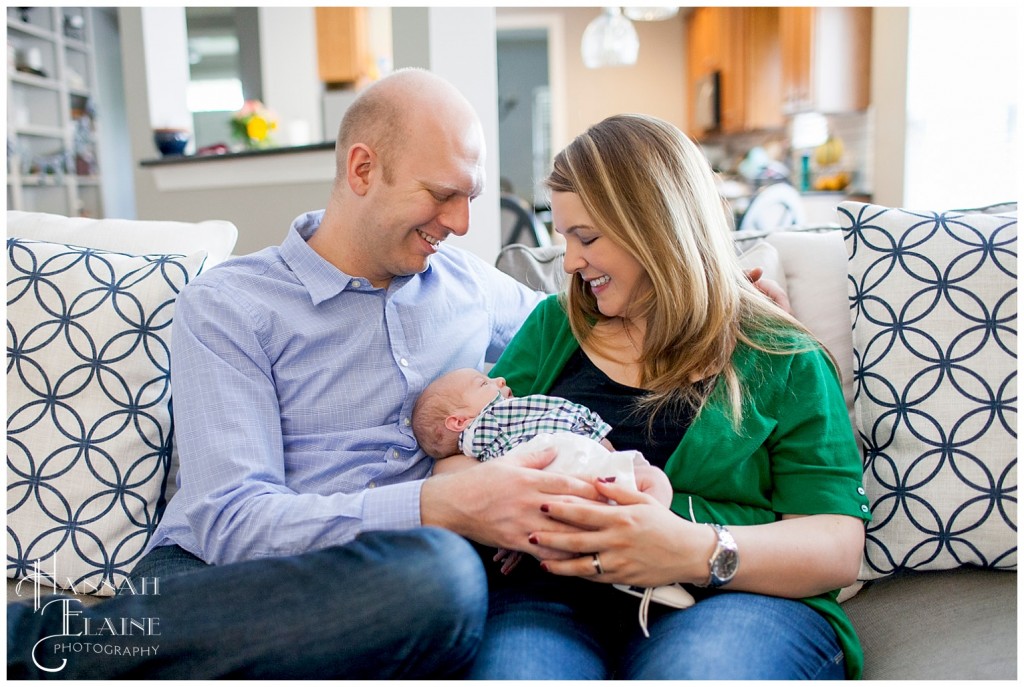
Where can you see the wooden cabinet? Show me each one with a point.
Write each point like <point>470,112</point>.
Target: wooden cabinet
<point>52,163</point>
<point>712,40</point>
<point>742,45</point>
<point>777,61</point>
<point>826,58</point>
<point>341,44</point>
<point>763,67</point>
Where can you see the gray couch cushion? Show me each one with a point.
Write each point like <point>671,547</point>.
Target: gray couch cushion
<point>956,624</point>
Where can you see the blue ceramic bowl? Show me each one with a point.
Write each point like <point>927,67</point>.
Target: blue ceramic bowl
<point>170,141</point>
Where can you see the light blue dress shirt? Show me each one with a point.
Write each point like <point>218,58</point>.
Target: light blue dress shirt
<point>293,391</point>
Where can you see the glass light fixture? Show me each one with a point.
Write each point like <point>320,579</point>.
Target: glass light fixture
<point>807,130</point>
<point>650,13</point>
<point>610,41</point>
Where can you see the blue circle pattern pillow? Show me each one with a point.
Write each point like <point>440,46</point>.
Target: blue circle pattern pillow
<point>88,399</point>
<point>933,300</point>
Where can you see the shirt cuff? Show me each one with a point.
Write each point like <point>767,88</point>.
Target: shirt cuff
<point>392,507</point>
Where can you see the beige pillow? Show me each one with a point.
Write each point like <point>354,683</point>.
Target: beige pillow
<point>89,427</point>
<point>934,309</point>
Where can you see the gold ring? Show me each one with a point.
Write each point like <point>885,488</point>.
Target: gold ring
<point>597,564</point>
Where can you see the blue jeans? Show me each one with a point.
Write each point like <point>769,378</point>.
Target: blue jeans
<point>544,627</point>
<point>407,604</point>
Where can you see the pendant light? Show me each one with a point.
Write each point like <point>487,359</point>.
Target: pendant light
<point>650,13</point>
<point>610,41</point>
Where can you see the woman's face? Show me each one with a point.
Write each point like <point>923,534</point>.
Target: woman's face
<point>611,272</point>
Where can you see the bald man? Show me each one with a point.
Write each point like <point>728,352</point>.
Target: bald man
<point>308,538</point>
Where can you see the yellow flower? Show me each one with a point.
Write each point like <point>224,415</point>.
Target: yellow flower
<point>257,128</point>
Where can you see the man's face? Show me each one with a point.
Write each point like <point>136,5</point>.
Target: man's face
<point>434,177</point>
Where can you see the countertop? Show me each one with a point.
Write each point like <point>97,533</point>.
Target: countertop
<point>240,155</point>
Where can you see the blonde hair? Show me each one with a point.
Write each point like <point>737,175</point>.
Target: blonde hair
<point>433,406</point>
<point>649,189</point>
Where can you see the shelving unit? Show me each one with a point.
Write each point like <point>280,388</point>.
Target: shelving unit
<point>52,162</point>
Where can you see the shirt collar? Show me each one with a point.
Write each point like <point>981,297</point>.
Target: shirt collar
<point>498,398</point>
<point>466,436</point>
<point>321,279</point>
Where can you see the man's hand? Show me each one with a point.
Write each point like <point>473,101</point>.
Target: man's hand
<point>769,287</point>
<point>652,481</point>
<point>498,503</point>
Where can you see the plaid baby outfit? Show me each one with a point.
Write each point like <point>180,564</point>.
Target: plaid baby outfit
<point>504,423</point>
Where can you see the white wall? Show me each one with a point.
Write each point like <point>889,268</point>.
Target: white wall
<point>291,86</point>
<point>165,36</point>
<point>114,149</point>
<point>889,103</point>
<point>458,43</point>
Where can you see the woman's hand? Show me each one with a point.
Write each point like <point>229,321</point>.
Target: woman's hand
<point>640,541</point>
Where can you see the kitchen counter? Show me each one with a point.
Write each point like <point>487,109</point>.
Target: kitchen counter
<point>263,167</point>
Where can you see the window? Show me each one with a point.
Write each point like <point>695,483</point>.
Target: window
<point>224,71</point>
<point>962,86</point>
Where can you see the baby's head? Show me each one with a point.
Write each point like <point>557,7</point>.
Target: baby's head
<point>449,404</point>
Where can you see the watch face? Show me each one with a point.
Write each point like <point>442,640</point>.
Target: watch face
<point>726,563</point>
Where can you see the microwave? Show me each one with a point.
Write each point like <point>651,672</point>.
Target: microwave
<point>707,108</point>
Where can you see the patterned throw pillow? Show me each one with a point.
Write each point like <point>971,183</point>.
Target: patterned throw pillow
<point>933,300</point>
<point>88,401</point>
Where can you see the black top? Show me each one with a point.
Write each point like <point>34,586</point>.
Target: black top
<point>582,382</point>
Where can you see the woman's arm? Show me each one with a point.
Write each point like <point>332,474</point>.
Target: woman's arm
<point>642,543</point>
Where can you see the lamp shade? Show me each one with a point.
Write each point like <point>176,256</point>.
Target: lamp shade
<point>610,41</point>
<point>807,130</point>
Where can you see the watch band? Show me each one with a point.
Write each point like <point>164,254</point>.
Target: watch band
<point>725,559</point>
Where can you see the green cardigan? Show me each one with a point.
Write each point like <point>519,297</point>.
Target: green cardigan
<point>794,454</point>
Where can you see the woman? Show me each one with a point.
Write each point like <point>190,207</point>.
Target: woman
<point>662,334</point>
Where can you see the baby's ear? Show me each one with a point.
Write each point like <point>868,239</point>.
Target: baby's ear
<point>456,423</point>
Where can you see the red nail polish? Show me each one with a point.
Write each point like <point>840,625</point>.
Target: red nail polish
<point>533,539</point>
<point>544,508</point>
<point>544,567</point>
<point>605,479</point>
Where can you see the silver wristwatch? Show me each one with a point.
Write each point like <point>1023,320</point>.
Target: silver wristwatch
<point>724,561</point>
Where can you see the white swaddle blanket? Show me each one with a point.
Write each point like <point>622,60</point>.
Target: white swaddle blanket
<point>583,457</point>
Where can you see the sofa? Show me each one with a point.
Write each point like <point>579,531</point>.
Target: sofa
<point>937,596</point>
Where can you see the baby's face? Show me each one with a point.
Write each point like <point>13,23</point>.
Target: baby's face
<point>479,390</point>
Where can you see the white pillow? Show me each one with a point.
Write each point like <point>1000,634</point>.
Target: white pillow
<point>934,311</point>
<point>137,237</point>
<point>88,399</point>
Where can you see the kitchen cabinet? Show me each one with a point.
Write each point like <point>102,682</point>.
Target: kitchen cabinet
<point>826,58</point>
<point>341,44</point>
<point>52,135</point>
<point>742,45</point>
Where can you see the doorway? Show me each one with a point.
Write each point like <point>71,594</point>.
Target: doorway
<point>530,87</point>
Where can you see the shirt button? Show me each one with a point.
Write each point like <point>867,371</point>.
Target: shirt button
<point>394,453</point>
<point>372,485</point>
<point>356,283</point>
<point>406,422</point>
<point>860,490</point>
<point>864,509</point>
<point>403,362</point>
